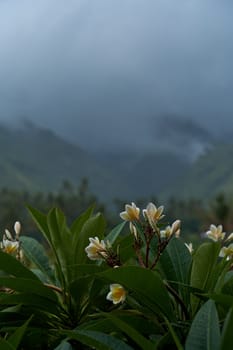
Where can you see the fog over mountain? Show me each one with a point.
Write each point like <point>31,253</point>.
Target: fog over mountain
<point>107,73</point>
<point>184,137</point>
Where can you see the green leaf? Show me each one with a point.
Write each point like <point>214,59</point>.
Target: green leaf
<point>204,333</point>
<point>28,285</point>
<point>145,285</point>
<point>94,226</point>
<point>80,295</point>
<point>64,345</point>
<point>138,321</point>
<point>227,339</point>
<point>176,263</point>
<point>61,244</point>
<point>12,266</point>
<point>227,288</point>
<point>131,332</point>
<point>203,270</point>
<point>35,252</point>
<point>174,335</point>
<point>77,225</point>
<point>57,225</point>
<point>223,299</point>
<point>127,251</point>
<point>32,300</point>
<point>181,259</point>
<point>41,221</point>
<point>86,270</point>
<point>48,226</point>
<point>5,345</point>
<point>83,272</point>
<point>113,235</point>
<point>81,288</point>
<point>17,336</point>
<point>97,340</point>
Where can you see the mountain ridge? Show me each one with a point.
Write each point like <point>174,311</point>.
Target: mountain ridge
<point>37,159</point>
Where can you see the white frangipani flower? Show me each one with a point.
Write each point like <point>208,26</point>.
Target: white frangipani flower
<point>229,238</point>
<point>215,233</point>
<point>174,229</point>
<point>227,252</point>
<point>117,294</point>
<point>131,212</point>
<point>153,214</point>
<point>165,233</point>
<point>9,246</point>
<point>96,250</point>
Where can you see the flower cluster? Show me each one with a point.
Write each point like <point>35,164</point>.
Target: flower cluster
<point>143,229</point>
<point>148,228</point>
<point>216,234</point>
<point>10,244</point>
<point>151,215</point>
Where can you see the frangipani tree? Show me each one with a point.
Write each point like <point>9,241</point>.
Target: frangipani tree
<point>143,290</point>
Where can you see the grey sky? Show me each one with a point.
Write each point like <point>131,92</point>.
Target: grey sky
<point>106,71</point>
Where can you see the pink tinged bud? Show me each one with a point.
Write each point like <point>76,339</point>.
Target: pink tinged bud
<point>176,227</point>
<point>133,230</point>
<point>17,228</point>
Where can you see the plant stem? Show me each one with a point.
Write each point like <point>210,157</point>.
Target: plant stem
<point>51,286</point>
<point>180,301</point>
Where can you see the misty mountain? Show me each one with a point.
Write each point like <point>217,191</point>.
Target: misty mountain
<point>147,173</point>
<point>211,174</point>
<point>181,135</point>
<point>36,159</point>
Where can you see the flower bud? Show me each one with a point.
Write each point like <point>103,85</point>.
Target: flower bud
<point>8,235</point>
<point>176,228</point>
<point>17,228</point>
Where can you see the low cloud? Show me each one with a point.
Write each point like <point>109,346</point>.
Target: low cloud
<point>98,71</point>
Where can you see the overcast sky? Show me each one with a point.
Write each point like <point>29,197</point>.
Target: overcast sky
<point>105,72</point>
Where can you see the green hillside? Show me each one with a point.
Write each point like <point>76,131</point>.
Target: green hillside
<point>147,174</point>
<point>211,174</point>
<point>37,159</point>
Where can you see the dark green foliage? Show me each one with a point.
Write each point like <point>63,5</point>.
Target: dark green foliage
<point>56,297</point>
